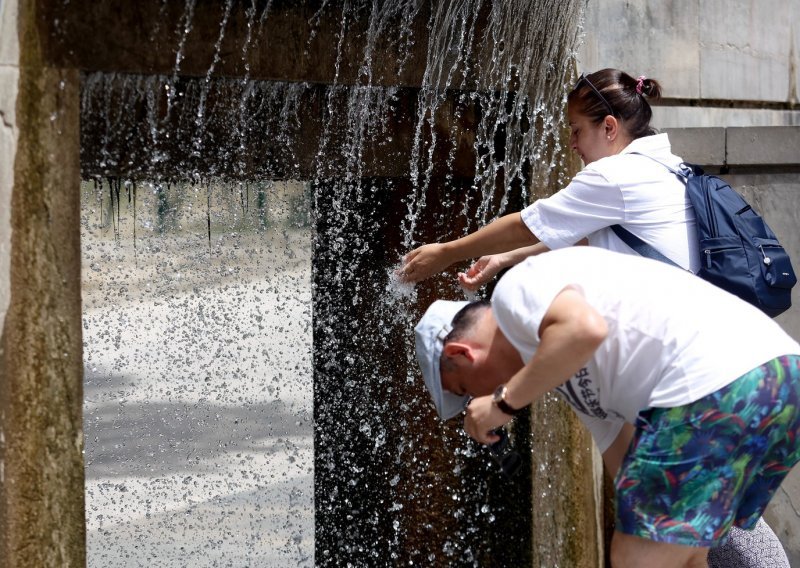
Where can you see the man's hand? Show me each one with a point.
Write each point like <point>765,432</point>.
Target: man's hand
<point>482,417</point>
<point>481,271</point>
<point>424,262</point>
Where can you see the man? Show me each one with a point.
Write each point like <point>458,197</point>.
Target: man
<point>706,385</point>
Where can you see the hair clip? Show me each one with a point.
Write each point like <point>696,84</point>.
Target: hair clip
<point>640,84</point>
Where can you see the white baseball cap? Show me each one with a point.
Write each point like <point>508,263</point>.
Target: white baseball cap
<point>429,340</point>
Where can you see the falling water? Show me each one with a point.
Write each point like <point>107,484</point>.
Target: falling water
<point>430,120</point>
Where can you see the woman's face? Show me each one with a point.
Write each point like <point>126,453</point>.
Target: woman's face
<point>587,138</point>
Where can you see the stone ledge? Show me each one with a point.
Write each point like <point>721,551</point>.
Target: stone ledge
<point>738,146</point>
<point>704,146</point>
<point>769,145</point>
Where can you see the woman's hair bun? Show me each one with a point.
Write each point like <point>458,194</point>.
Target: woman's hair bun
<point>651,89</point>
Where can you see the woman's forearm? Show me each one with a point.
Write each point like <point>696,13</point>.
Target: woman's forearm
<point>518,255</point>
<point>502,235</point>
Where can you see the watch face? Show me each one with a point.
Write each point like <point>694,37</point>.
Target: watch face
<point>499,393</point>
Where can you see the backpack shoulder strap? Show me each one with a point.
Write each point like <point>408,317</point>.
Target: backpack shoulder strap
<point>641,247</point>
<point>685,172</point>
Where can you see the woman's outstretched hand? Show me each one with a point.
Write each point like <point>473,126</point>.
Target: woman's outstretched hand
<point>481,271</point>
<point>424,262</point>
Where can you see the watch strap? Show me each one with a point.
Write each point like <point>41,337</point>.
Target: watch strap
<point>506,408</point>
<point>499,398</point>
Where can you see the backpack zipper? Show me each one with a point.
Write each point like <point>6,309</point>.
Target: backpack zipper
<point>710,209</point>
<point>711,219</point>
<point>767,260</point>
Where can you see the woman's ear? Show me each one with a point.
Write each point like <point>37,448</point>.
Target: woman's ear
<point>611,127</point>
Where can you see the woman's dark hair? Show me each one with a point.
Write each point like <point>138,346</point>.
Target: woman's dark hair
<point>614,92</point>
<point>464,319</point>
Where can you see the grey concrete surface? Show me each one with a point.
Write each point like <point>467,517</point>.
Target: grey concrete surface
<point>9,40</point>
<point>9,79</point>
<point>704,50</point>
<point>706,117</point>
<point>699,145</point>
<point>763,146</point>
<point>746,49</point>
<point>659,39</point>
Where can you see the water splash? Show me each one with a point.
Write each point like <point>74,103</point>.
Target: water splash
<point>200,115</point>
<point>397,290</point>
<point>516,87</point>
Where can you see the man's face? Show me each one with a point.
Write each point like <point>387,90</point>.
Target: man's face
<point>481,362</point>
<point>471,382</point>
<point>480,376</point>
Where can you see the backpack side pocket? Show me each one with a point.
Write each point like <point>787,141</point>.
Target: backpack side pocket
<point>777,277</point>
<point>776,267</point>
<point>724,263</point>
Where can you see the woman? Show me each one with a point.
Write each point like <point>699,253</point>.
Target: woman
<point>622,183</point>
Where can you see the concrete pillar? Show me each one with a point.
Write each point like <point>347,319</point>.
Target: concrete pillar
<point>569,508</point>
<point>41,480</point>
<point>9,79</point>
<point>393,484</point>
<point>566,489</point>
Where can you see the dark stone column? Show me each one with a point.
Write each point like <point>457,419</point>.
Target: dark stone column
<point>393,485</point>
<point>41,397</point>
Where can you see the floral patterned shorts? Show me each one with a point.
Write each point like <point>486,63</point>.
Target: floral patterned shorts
<point>693,471</point>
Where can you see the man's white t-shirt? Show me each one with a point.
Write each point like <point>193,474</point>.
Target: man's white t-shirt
<point>673,338</point>
<point>628,189</point>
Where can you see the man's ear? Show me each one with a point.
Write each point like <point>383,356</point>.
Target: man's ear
<point>454,349</point>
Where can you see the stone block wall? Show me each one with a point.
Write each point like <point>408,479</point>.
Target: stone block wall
<point>721,63</point>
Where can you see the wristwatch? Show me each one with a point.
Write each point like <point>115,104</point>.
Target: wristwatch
<point>499,399</point>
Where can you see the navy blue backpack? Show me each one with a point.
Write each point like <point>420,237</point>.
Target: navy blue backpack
<point>738,250</point>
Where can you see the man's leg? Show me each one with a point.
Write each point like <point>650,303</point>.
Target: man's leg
<point>693,471</point>
<point>634,552</point>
